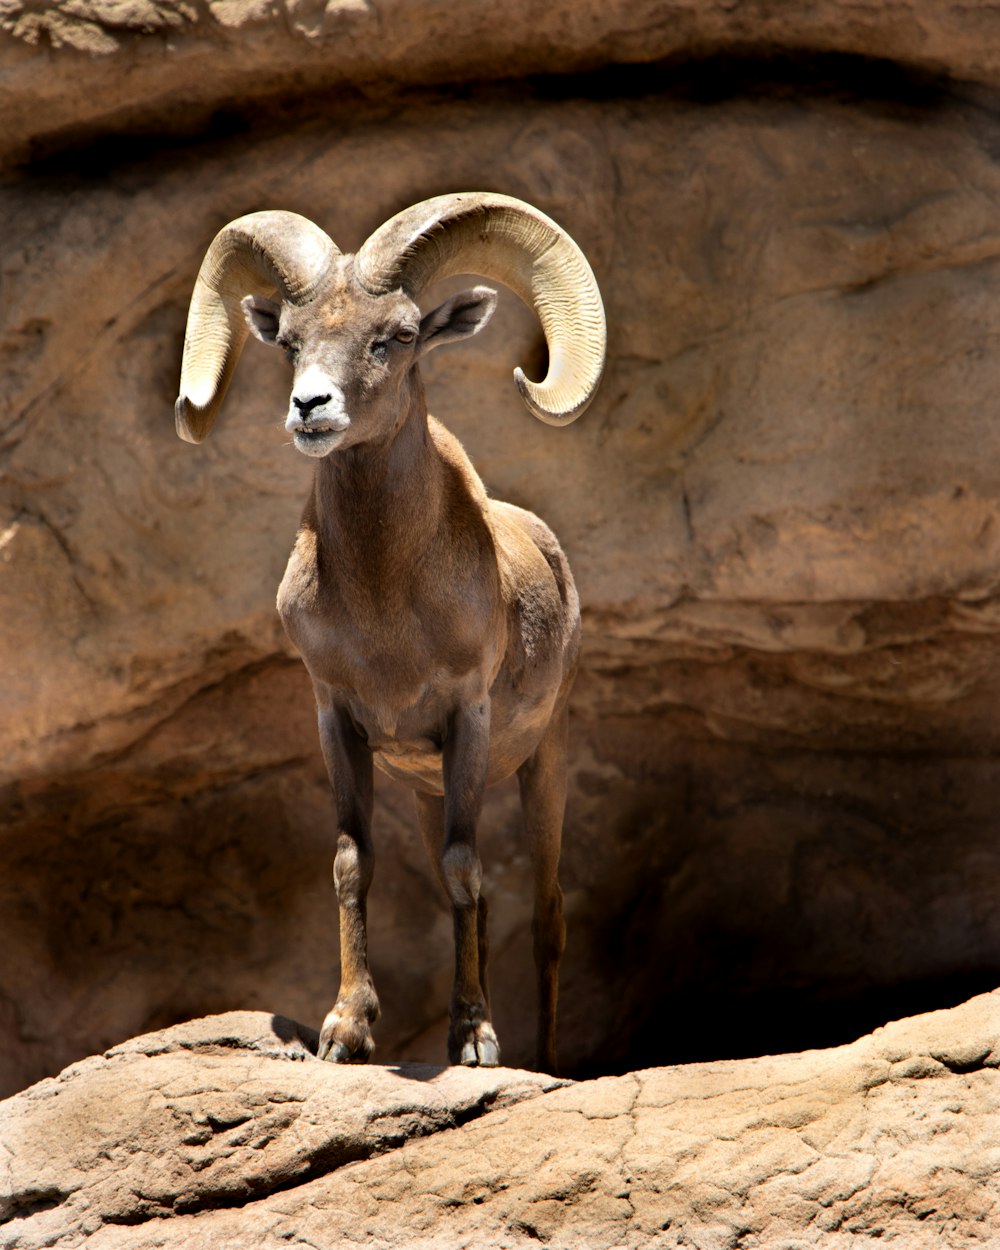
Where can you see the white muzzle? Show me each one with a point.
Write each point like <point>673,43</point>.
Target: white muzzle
<point>317,414</point>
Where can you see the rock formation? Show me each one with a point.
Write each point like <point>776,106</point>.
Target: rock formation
<point>783,511</point>
<point>227,1132</point>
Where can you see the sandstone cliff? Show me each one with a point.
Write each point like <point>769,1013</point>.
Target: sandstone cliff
<point>782,512</point>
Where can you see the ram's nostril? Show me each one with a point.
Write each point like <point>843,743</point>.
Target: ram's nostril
<point>306,406</point>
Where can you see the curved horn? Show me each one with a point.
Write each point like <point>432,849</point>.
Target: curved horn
<point>257,254</point>
<point>502,238</point>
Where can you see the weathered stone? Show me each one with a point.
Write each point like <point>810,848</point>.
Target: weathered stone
<point>202,1116</point>
<point>892,1137</point>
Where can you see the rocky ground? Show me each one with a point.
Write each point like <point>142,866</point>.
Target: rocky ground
<point>227,1132</point>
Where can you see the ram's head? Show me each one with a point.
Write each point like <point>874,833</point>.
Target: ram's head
<point>351,325</point>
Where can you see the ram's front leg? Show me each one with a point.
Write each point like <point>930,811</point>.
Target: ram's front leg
<point>346,1035</point>
<point>471,1039</point>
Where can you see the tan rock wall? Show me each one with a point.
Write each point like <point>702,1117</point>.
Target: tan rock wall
<point>782,511</point>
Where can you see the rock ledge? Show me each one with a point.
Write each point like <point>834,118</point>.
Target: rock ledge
<point>225,1131</point>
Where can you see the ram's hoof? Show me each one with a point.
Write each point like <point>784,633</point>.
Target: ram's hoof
<point>344,1040</point>
<point>478,1048</point>
<point>337,1053</point>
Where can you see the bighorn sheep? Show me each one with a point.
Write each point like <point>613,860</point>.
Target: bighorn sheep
<point>440,628</point>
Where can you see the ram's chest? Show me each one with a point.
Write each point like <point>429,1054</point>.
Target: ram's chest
<point>385,665</point>
<point>399,664</point>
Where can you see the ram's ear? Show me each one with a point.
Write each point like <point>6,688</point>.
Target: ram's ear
<point>457,318</point>
<point>262,317</point>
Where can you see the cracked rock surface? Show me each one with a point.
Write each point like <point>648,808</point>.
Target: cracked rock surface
<point>227,1132</point>
<point>782,511</point>
<point>221,1112</point>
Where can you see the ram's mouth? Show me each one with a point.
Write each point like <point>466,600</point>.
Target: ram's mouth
<point>318,437</point>
<point>321,429</point>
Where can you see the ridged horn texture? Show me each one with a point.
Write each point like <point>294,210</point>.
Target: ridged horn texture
<point>259,254</point>
<point>511,242</point>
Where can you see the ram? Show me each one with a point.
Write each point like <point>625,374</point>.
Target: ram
<point>441,628</point>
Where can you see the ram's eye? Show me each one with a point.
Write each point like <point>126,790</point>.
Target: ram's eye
<point>290,349</point>
<point>406,336</point>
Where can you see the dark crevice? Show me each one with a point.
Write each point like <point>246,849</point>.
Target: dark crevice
<point>782,1021</point>
<point>758,72</point>
<point>962,1067</point>
<point>32,1202</point>
<point>170,128</point>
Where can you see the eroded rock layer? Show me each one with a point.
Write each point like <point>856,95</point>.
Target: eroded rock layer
<point>782,511</point>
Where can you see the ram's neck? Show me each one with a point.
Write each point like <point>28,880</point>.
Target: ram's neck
<point>377,505</point>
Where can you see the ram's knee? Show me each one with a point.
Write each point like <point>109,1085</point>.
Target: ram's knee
<point>463,874</point>
<point>352,869</point>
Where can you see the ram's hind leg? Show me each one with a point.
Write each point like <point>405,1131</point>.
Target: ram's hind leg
<point>542,779</point>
